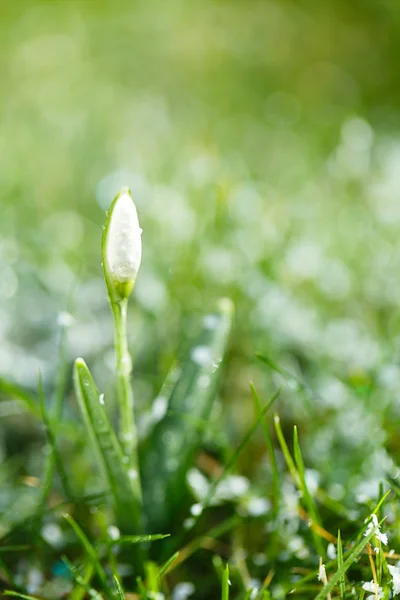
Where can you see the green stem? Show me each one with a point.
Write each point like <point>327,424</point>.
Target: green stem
<point>127,431</point>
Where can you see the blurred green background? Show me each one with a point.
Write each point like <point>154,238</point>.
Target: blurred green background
<point>261,144</point>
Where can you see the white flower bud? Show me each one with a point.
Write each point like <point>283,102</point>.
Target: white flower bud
<point>122,245</point>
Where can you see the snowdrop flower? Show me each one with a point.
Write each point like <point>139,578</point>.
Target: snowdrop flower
<point>122,246</point>
<point>373,525</point>
<point>395,573</point>
<point>371,586</point>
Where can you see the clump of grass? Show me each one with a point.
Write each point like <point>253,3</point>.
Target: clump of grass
<point>164,500</point>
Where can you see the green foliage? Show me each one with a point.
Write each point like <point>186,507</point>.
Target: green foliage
<point>260,144</point>
<point>124,493</point>
<point>170,448</point>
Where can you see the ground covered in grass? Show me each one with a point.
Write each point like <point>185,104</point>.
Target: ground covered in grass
<point>260,141</point>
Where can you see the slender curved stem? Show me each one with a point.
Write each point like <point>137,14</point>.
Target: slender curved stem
<point>127,428</point>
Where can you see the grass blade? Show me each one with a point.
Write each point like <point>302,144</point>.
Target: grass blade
<point>355,552</point>
<point>138,539</point>
<point>91,553</point>
<point>271,451</point>
<point>308,501</point>
<point>285,450</point>
<point>243,444</point>
<point>18,595</point>
<point>124,494</point>
<point>83,582</point>
<point>342,585</point>
<point>12,390</point>
<point>225,584</point>
<point>169,450</point>
<point>165,567</point>
<point>119,589</point>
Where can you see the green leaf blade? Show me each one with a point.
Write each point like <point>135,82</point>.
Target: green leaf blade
<point>125,496</point>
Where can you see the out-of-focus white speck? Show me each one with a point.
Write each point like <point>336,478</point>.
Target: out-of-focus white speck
<point>202,356</point>
<point>113,532</point>
<point>53,535</point>
<point>210,321</point>
<point>183,590</point>
<point>196,509</point>
<point>65,319</point>
<point>258,506</point>
<point>34,580</point>
<point>331,551</point>
<point>159,408</point>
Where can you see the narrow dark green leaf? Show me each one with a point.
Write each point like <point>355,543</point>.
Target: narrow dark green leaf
<point>12,390</point>
<point>6,569</point>
<point>19,548</point>
<point>124,492</point>
<point>53,458</point>
<point>168,452</point>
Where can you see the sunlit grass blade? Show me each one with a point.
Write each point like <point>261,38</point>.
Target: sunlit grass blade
<point>271,451</point>
<point>342,585</point>
<point>18,595</point>
<point>125,495</point>
<point>239,450</point>
<point>205,502</point>
<point>152,578</point>
<point>83,582</point>
<point>141,588</point>
<point>119,588</point>
<point>166,566</point>
<point>12,390</point>
<point>138,539</point>
<point>168,452</point>
<point>308,501</point>
<point>353,555</point>
<point>225,584</point>
<point>91,553</point>
<point>285,450</point>
<point>83,587</point>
